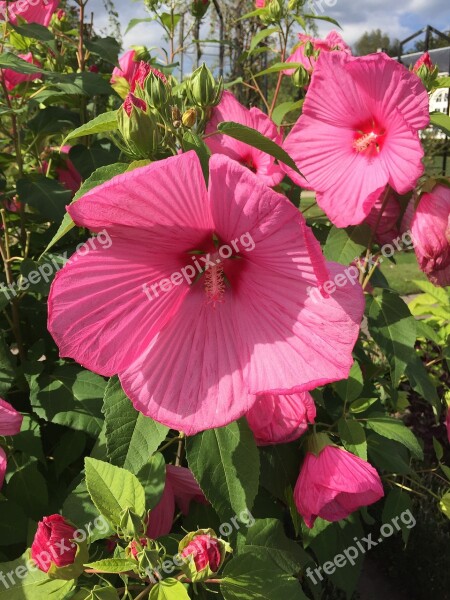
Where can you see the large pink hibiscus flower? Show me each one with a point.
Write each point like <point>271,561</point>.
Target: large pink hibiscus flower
<point>261,163</point>
<point>194,354</point>
<point>36,11</point>
<point>358,133</point>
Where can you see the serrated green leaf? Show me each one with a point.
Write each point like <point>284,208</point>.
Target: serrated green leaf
<point>113,490</point>
<point>257,140</point>
<point>344,245</point>
<point>396,430</point>
<point>101,124</point>
<point>350,389</point>
<point>169,589</point>
<point>113,565</point>
<point>131,437</point>
<point>353,437</point>
<point>225,462</point>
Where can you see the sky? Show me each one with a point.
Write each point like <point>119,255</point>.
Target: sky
<point>398,18</point>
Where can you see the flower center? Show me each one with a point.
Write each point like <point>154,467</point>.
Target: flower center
<point>368,139</point>
<point>214,284</point>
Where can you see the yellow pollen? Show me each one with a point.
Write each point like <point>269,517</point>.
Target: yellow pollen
<point>365,141</point>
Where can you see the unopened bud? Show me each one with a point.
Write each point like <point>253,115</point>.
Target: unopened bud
<point>427,72</point>
<point>275,10</point>
<point>139,129</point>
<point>203,89</point>
<point>189,118</point>
<point>300,78</point>
<point>156,89</point>
<point>203,554</point>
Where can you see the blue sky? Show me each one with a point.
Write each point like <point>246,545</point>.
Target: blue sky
<point>399,19</point>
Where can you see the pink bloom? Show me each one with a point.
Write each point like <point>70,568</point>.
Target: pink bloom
<point>130,101</point>
<point>181,488</point>
<point>349,148</point>
<point>134,548</point>
<point>206,552</point>
<point>334,484</point>
<point>333,42</point>
<point>53,544</point>
<point>128,67</point>
<point>431,233</point>
<point>12,78</point>
<point>259,162</point>
<point>141,74</point>
<point>10,419</point>
<point>38,11</point>
<point>280,419</point>
<point>260,3</point>
<point>386,225</point>
<point>94,69</point>
<point>249,321</point>
<point>423,61</point>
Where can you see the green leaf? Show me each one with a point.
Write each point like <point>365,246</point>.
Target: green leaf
<point>169,589</point>
<point>283,109</point>
<point>13,524</point>
<point>11,61</point>
<point>394,330</point>
<point>267,540</point>
<point>31,584</point>
<point>113,565</point>
<point>279,468</point>
<point>444,505</point>
<point>441,121</point>
<point>350,389</point>
<point>33,31</point>
<point>107,48</point>
<point>396,430</point>
<point>192,141</point>
<point>388,455</point>
<point>131,437</point>
<point>421,382</point>
<point>99,154</point>
<point>257,140</point>
<point>7,367</point>
<point>323,18</point>
<point>353,437</point>
<point>113,490</point>
<point>277,67</point>
<point>104,122</point>
<point>69,396</point>
<point>82,84</point>
<point>28,489</point>
<point>248,577</point>
<point>135,22</point>
<point>53,119</point>
<point>396,504</point>
<point>258,37</point>
<point>225,462</point>
<point>46,195</point>
<point>344,245</point>
<point>78,508</point>
<point>153,478</point>
<point>98,177</point>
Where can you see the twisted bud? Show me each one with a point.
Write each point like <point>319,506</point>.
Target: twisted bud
<point>139,127</point>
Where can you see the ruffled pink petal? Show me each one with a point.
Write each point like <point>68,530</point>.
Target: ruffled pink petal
<point>295,342</point>
<point>99,313</point>
<point>190,377</point>
<point>161,517</point>
<point>280,419</point>
<point>10,419</point>
<point>3,465</point>
<point>167,199</point>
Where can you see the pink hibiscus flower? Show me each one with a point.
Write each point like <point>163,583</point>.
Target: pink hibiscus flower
<point>259,162</point>
<point>430,228</point>
<point>280,419</point>
<point>358,133</point>
<point>180,489</point>
<point>193,353</point>
<point>386,225</point>
<point>128,66</point>
<point>12,78</point>
<point>37,11</point>
<point>10,424</point>
<point>334,484</point>
<point>333,42</point>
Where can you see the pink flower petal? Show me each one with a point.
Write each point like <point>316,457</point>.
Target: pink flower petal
<point>10,419</point>
<point>3,465</point>
<point>161,517</point>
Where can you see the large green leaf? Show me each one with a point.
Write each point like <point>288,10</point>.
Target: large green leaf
<point>169,589</point>
<point>249,577</point>
<point>394,330</point>
<point>225,462</point>
<point>260,36</point>
<point>107,48</point>
<point>345,245</point>
<point>113,565</point>
<point>441,121</point>
<point>11,61</point>
<point>131,437</point>
<point>46,195</point>
<point>101,124</point>
<point>113,490</point>
<point>27,488</point>
<point>13,524</point>
<point>257,140</point>
<point>353,437</point>
<point>349,389</point>
<point>396,430</point>
<point>69,396</point>
<point>283,109</point>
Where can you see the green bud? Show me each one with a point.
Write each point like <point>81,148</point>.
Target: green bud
<point>275,8</point>
<point>300,78</point>
<point>189,118</point>
<point>203,89</point>
<point>157,92</point>
<point>131,524</point>
<point>142,135</point>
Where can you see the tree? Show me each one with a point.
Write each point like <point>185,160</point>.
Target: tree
<point>371,41</point>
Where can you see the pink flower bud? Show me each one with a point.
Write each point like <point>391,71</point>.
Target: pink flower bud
<point>386,225</point>
<point>134,547</point>
<point>131,101</point>
<point>10,419</point>
<point>334,484</point>
<point>260,3</point>
<point>205,551</point>
<point>424,61</point>
<point>431,233</point>
<point>280,419</point>
<point>141,74</point>
<point>53,543</point>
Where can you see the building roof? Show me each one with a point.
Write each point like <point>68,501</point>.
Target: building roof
<point>439,56</point>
